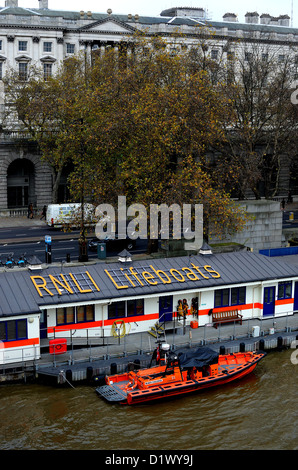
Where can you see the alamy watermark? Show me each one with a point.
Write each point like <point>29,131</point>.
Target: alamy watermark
<point>135,222</point>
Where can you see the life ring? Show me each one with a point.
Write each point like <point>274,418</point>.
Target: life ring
<point>118,329</point>
<point>130,386</point>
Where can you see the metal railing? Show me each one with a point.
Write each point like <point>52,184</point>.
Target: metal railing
<point>89,347</point>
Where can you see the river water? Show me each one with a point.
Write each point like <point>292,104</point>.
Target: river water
<point>258,412</point>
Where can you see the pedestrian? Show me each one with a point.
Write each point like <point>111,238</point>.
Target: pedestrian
<point>31,216</point>
<point>290,198</point>
<point>43,213</point>
<point>283,204</point>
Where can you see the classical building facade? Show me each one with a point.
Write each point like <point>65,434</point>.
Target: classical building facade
<point>46,37</point>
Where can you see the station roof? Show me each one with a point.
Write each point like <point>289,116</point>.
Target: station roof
<point>27,292</point>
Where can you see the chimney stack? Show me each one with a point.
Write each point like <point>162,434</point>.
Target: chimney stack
<point>43,4</point>
<point>252,18</point>
<point>11,3</point>
<point>265,18</point>
<point>230,17</point>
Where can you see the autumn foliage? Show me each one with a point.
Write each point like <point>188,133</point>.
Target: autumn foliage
<point>137,122</point>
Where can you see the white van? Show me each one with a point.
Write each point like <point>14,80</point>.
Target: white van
<point>59,215</point>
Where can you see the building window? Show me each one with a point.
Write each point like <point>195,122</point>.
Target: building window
<point>135,307</point>
<point>23,70</point>
<point>70,315</point>
<point>13,330</point>
<point>47,71</point>
<point>123,309</point>
<point>23,45</point>
<point>221,298</point>
<point>1,70</point>
<point>116,310</point>
<point>214,54</point>
<point>284,290</point>
<point>47,47</point>
<point>230,297</point>
<point>70,48</point>
<point>65,315</point>
<point>85,313</point>
<point>0,44</point>
<point>238,295</point>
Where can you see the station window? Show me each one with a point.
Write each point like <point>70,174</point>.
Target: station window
<point>229,297</point>
<point>284,290</point>
<point>85,313</point>
<point>238,295</point>
<point>135,307</point>
<point>70,315</point>
<point>65,315</point>
<point>129,308</point>
<point>13,330</point>
<point>221,298</point>
<point>116,310</point>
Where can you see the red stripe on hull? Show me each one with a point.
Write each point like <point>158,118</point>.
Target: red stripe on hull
<point>187,387</point>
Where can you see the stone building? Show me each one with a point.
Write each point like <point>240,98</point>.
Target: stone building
<point>46,37</point>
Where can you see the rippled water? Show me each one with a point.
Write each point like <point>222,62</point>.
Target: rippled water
<point>258,412</point>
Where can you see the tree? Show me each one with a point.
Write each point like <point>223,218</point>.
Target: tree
<point>136,124</point>
<point>263,126</point>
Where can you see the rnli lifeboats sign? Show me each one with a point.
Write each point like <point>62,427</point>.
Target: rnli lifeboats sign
<point>138,277</point>
<point>79,283</point>
<point>121,278</point>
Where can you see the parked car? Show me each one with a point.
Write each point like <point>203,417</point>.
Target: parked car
<point>112,243</point>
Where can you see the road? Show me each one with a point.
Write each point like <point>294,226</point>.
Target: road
<point>31,240</point>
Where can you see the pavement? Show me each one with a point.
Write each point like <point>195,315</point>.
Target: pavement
<point>23,221</point>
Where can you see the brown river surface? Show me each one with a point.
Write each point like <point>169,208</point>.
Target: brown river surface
<point>257,413</point>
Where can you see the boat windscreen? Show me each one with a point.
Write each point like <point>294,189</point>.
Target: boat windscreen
<point>198,358</point>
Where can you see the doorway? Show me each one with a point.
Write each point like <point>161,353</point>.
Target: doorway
<point>166,308</point>
<point>269,301</point>
<point>20,183</point>
<point>43,324</point>
<point>296,297</point>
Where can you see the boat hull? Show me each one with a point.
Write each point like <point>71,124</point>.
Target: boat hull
<point>118,390</point>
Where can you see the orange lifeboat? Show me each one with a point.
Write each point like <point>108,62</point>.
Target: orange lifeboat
<point>178,374</point>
